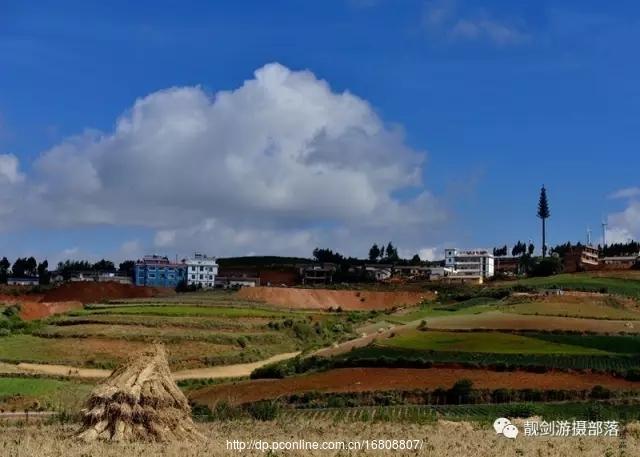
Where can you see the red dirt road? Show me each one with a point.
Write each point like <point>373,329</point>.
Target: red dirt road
<point>326,298</point>
<point>380,379</point>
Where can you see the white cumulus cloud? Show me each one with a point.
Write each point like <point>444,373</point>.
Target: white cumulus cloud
<point>282,163</point>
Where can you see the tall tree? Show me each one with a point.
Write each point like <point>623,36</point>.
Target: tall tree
<point>4,270</point>
<point>544,214</point>
<point>531,248</point>
<point>19,267</point>
<point>31,266</point>
<point>392,252</point>
<point>127,267</point>
<point>44,277</point>
<point>374,253</point>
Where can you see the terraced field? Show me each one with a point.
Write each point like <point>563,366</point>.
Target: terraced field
<point>490,342</point>
<point>213,329</point>
<point>19,393</point>
<point>625,284</point>
<point>96,352</point>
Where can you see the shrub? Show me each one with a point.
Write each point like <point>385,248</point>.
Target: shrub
<point>242,342</point>
<point>548,266</point>
<point>264,410</point>
<point>461,392</point>
<point>600,393</point>
<point>595,412</point>
<point>500,396</point>
<point>633,375</point>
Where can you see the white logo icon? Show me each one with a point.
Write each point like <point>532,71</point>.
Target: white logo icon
<point>500,423</point>
<point>510,431</point>
<point>503,426</point>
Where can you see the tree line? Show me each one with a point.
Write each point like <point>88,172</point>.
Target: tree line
<point>24,267</point>
<point>29,267</point>
<point>518,250</point>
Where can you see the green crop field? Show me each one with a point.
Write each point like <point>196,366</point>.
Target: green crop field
<point>481,413</point>
<point>194,322</point>
<point>613,344</point>
<point>186,310</point>
<point>376,355</point>
<point>493,342</point>
<point>166,334</point>
<point>427,310</point>
<point>584,281</point>
<point>107,352</point>
<point>585,308</point>
<point>46,393</point>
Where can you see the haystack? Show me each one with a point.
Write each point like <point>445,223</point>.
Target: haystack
<point>139,402</point>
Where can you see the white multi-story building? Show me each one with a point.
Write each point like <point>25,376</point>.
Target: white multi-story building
<point>474,265</point>
<point>201,270</point>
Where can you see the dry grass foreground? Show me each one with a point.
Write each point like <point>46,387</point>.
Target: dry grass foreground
<point>443,439</point>
<point>139,402</point>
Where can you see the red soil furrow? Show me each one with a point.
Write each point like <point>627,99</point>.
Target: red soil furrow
<point>380,379</point>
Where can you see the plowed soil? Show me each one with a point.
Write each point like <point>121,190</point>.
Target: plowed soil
<point>325,298</point>
<point>33,310</point>
<point>381,379</point>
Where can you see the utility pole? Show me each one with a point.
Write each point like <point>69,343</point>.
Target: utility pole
<point>604,233</point>
<point>588,236</point>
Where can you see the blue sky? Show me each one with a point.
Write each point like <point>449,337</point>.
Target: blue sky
<point>494,98</point>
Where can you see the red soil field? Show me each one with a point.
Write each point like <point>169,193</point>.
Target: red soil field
<point>33,310</point>
<point>73,295</point>
<point>325,298</point>
<point>380,379</point>
<point>91,292</point>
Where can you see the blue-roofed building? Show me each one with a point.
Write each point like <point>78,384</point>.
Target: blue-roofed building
<point>158,271</point>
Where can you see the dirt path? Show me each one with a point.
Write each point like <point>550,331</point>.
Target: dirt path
<point>63,370</point>
<point>361,341</point>
<point>406,379</point>
<point>230,371</point>
<point>225,371</point>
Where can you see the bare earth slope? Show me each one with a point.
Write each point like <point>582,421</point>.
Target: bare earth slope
<point>325,298</point>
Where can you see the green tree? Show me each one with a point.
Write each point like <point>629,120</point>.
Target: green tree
<point>103,265</point>
<point>19,267</point>
<point>531,249</point>
<point>126,267</point>
<point>4,270</point>
<point>543,214</point>
<point>416,260</point>
<point>31,266</point>
<point>392,253</point>
<point>44,277</point>
<point>374,253</point>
